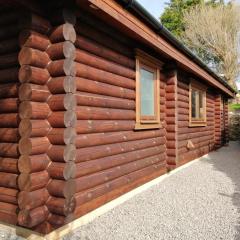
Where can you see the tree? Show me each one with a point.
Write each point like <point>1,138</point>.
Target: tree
<point>172,17</point>
<point>213,33</point>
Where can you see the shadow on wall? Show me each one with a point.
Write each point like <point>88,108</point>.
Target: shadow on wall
<point>230,166</point>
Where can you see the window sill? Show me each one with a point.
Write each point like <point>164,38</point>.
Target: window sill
<point>196,124</point>
<point>139,126</point>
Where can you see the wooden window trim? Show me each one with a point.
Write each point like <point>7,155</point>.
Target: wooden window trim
<point>201,88</point>
<point>153,65</point>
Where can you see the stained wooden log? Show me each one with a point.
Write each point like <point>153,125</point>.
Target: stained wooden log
<point>87,140</point>
<point>8,17</point>
<point>8,165</point>
<point>32,39</point>
<point>8,195</point>
<point>62,67</point>
<point>30,164</point>
<point>9,90</point>
<point>62,171</point>
<point>90,167</point>
<point>64,32</point>
<point>102,189</point>
<point>30,74</point>
<point>31,218</point>
<point>8,213</point>
<point>62,153</point>
<point>8,60</point>
<point>43,228</point>
<point>94,113</point>
<point>33,57</point>
<point>92,73</point>
<point>65,15</point>
<point>32,200</point>
<point>63,119</point>
<point>8,180</point>
<point>100,63</point>
<point>34,110</point>
<point>33,181</point>
<point>62,50</point>
<point>62,188</point>
<point>8,45</point>
<point>96,87</point>
<point>91,153</point>
<point>104,52</point>
<point>9,135</point>
<point>9,75</point>
<point>33,128</point>
<point>61,136</point>
<point>61,206</point>
<point>9,105</point>
<point>9,120</point>
<point>61,102</point>
<point>61,85</point>
<point>8,31</point>
<point>57,220</point>
<point>9,150</point>
<point>33,92</point>
<point>97,126</point>
<point>95,100</point>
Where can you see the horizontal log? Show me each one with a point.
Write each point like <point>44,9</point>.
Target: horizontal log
<point>8,31</point>
<point>95,179</point>
<point>61,136</point>
<point>62,119</point>
<point>31,164</point>
<point>62,188</point>
<point>43,228</point>
<point>33,128</point>
<point>9,150</point>
<point>33,146</point>
<point>32,39</point>
<point>90,167</point>
<point>32,218</point>
<point>57,220</point>
<point>62,153</point>
<point>61,206</point>
<point>8,195</point>
<point>33,181</point>
<point>8,213</point>
<point>61,102</point>
<point>63,67</point>
<point>33,57</point>
<point>96,87</point>
<point>9,135</point>
<point>8,165</point>
<point>94,139</point>
<point>31,200</point>
<point>60,85</point>
<point>33,92</point>
<point>9,90</point>
<point>104,52</point>
<point>95,100</point>
<point>9,105</point>
<point>62,50</point>
<point>62,171</point>
<point>9,45</point>
<point>9,120</point>
<point>97,126</point>
<point>8,180</point>
<point>91,153</point>
<point>64,32</point>
<point>103,64</point>
<point>9,75</point>
<point>101,190</point>
<point>92,73</point>
<point>8,60</point>
<point>94,113</point>
<point>30,74</point>
<point>8,17</point>
<point>34,110</point>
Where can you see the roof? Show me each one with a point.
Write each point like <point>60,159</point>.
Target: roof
<point>158,27</point>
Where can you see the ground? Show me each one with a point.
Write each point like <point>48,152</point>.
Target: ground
<point>201,201</point>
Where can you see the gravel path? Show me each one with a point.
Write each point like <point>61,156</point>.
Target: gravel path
<point>199,202</point>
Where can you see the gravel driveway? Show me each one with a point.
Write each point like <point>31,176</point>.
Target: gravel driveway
<point>199,202</point>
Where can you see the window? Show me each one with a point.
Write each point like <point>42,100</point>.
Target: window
<point>197,95</point>
<point>147,91</point>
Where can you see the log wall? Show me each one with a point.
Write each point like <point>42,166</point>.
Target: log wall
<point>203,138</point>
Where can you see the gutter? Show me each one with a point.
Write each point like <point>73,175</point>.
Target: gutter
<point>161,30</point>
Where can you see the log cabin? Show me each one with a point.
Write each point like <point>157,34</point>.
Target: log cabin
<point>96,99</point>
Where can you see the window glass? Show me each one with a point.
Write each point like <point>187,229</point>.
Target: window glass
<point>194,104</point>
<point>147,92</point>
<point>198,108</point>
